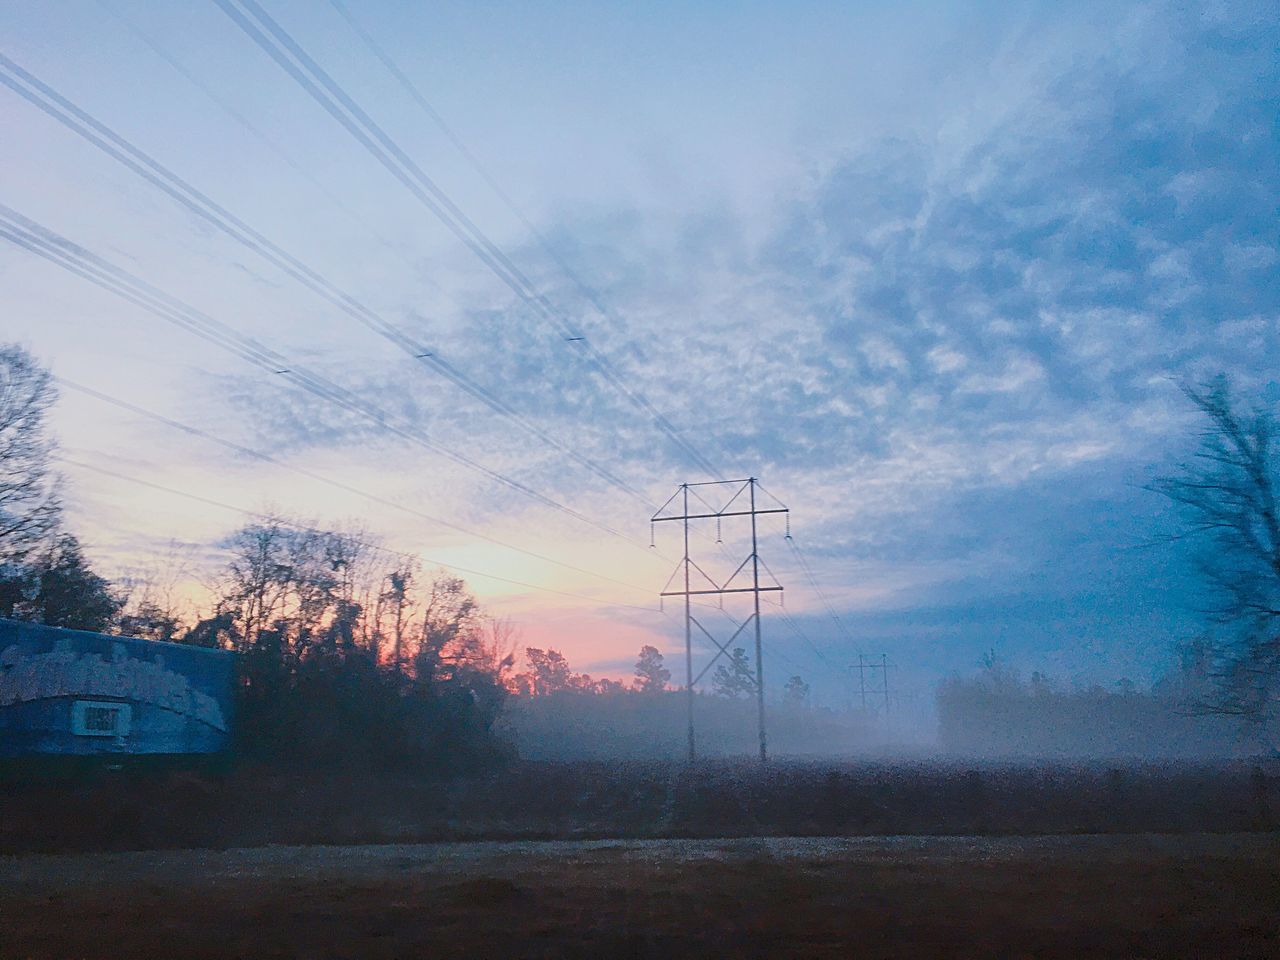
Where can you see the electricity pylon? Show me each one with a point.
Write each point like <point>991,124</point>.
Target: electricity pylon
<point>868,665</point>
<point>717,490</point>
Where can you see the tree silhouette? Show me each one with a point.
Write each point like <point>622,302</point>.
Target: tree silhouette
<point>796,692</point>
<point>1227,497</point>
<point>735,679</point>
<point>68,593</point>
<point>651,675</point>
<point>29,506</point>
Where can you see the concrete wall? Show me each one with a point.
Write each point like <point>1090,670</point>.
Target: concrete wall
<point>72,692</point>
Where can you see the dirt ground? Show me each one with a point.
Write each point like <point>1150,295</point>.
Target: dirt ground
<point>1134,896</point>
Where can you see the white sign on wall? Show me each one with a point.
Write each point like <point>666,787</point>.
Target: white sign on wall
<point>100,718</point>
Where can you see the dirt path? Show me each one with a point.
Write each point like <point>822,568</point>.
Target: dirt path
<point>1113,896</point>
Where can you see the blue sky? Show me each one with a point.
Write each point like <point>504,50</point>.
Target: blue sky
<point>931,271</point>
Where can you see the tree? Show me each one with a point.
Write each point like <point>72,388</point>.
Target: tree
<point>1227,498</point>
<point>495,647</point>
<point>257,579</point>
<point>395,598</point>
<point>651,675</point>
<point>549,672</point>
<point>796,693</point>
<point>68,593</point>
<point>308,609</point>
<point>736,679</point>
<point>450,627</point>
<point>156,609</point>
<point>29,505</point>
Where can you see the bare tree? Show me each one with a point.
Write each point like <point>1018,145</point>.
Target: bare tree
<point>450,616</point>
<point>494,650</point>
<point>257,578</point>
<point>29,504</point>
<point>396,599</point>
<point>156,608</point>
<point>1227,497</point>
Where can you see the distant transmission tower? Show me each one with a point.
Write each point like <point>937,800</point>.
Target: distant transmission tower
<point>868,665</point>
<point>736,505</point>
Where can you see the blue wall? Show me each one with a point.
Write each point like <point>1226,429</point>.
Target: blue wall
<point>72,692</point>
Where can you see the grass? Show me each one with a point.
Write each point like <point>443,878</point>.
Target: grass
<point>245,806</point>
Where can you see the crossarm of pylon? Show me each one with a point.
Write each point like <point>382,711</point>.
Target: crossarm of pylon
<point>719,513</point>
<point>719,592</point>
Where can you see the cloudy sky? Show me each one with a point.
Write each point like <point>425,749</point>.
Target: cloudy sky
<point>931,271</point>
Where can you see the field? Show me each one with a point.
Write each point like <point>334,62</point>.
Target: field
<point>254,806</point>
<point>1079,897</point>
<point>728,859</point>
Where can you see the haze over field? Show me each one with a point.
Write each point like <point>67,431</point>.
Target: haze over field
<point>932,273</point>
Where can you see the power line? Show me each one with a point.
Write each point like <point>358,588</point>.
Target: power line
<point>269,518</point>
<point>337,484</point>
<point>156,48</point>
<point>800,634</point>
<point>78,121</point>
<point>813,580</point>
<point>589,294</point>
<point>39,240</point>
<point>295,61</point>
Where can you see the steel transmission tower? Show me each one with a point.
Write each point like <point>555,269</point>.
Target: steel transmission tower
<point>868,665</point>
<point>736,505</point>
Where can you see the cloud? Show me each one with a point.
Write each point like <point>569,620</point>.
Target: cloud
<point>990,299</point>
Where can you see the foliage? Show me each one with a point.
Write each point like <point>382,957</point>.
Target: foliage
<point>345,661</point>
<point>736,679</point>
<point>549,673</point>
<point>651,675</point>
<point>68,593</point>
<point>796,692</point>
<point>57,587</point>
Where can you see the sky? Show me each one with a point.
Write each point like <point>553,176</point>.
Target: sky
<point>932,272</point>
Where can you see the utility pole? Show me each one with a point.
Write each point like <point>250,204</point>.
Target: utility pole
<point>718,491</point>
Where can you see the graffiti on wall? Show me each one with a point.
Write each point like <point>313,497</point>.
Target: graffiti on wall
<point>65,671</point>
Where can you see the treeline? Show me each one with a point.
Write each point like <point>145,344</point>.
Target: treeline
<point>996,713</point>
<point>346,657</point>
<point>555,713</point>
<point>343,659</point>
